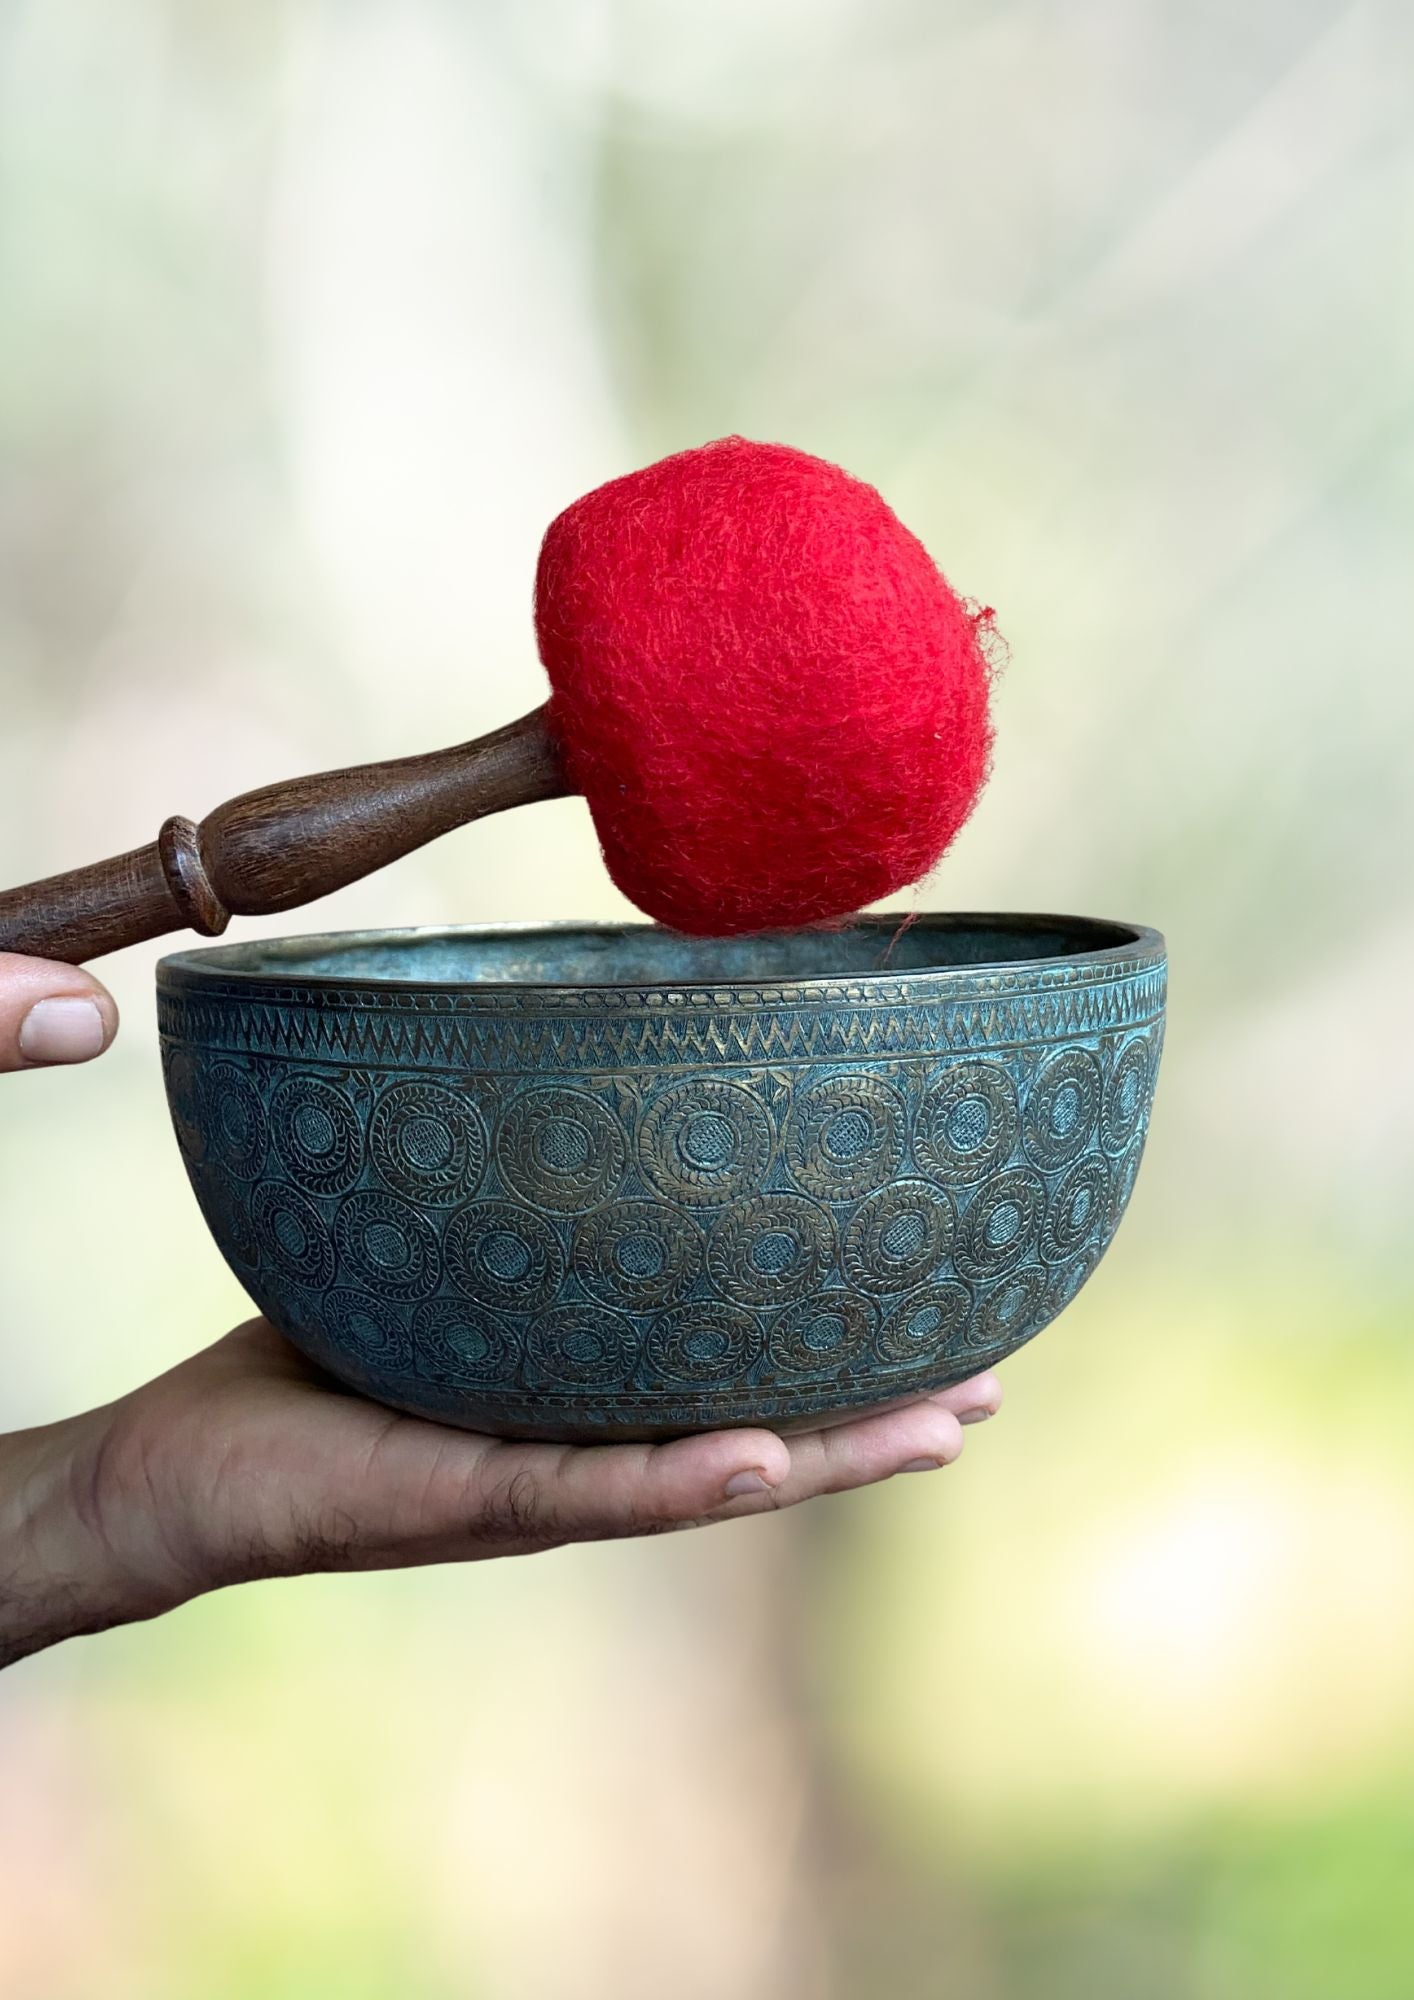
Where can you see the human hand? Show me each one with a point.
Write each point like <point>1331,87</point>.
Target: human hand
<point>51,1014</point>
<point>246,1462</point>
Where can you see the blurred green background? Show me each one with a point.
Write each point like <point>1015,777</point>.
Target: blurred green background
<point>311,317</point>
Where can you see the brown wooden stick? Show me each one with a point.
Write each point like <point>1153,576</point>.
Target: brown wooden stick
<point>281,846</point>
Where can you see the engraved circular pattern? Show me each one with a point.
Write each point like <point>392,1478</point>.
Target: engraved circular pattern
<point>1078,1209</point>
<point>504,1255</point>
<point>770,1250</point>
<point>561,1149</point>
<point>1127,1094</point>
<point>235,1120</point>
<point>1126,1172</point>
<point>898,1238</point>
<point>304,1322</point>
<point>584,1345</point>
<point>316,1135</point>
<point>1002,1224</point>
<point>967,1124</point>
<point>291,1233</point>
<point>225,1208</point>
<point>1009,1313</point>
<point>822,1334</point>
<point>1062,1108</point>
<point>428,1144</point>
<point>927,1326</point>
<point>702,1344</point>
<point>184,1098</point>
<point>1067,1279</point>
<point>844,1137</point>
<point>465,1342</point>
<point>706,1143</point>
<point>368,1329</point>
<point>388,1246</point>
<point>639,1254</point>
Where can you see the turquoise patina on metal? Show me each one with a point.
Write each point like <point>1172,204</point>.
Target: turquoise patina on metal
<point>583,1184</point>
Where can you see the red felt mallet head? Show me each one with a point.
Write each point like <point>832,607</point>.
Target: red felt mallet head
<point>774,702</point>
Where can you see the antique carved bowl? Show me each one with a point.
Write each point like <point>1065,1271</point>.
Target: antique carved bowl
<point>592,1183</point>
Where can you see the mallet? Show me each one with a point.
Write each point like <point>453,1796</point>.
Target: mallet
<point>773,701</point>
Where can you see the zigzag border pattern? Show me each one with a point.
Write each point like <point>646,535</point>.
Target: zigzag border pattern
<point>568,1030</point>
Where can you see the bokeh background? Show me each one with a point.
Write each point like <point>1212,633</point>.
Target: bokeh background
<point>311,317</point>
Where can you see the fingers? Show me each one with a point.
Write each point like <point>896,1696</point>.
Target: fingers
<point>538,1495</point>
<point>51,1014</point>
<point>919,1437</point>
<point>922,1437</point>
<point>974,1401</point>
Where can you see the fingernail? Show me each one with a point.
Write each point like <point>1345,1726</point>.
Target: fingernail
<point>61,1031</point>
<point>746,1482</point>
<point>977,1416</point>
<point>922,1465</point>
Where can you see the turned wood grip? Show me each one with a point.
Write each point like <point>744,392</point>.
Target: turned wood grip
<point>280,846</point>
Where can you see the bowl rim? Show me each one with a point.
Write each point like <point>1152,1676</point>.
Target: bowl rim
<point>1120,946</point>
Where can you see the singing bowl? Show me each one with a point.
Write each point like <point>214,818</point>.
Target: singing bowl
<point>594,1184</point>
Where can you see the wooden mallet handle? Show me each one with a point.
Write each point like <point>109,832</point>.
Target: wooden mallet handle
<point>281,846</point>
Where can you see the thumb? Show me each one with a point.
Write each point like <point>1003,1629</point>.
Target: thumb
<point>51,1014</point>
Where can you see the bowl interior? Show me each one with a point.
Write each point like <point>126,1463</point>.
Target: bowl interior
<point>642,955</point>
